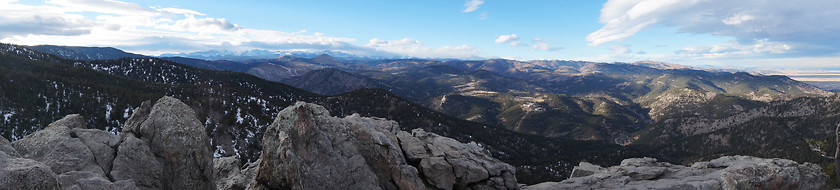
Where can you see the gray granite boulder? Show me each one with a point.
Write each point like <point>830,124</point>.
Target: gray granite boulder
<point>136,162</point>
<point>306,148</point>
<point>57,147</point>
<point>230,174</point>
<point>101,143</point>
<point>21,173</point>
<point>6,147</point>
<point>178,141</point>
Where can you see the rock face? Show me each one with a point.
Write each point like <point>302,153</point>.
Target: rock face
<point>165,147</point>
<point>306,148</point>
<point>230,176</point>
<point>730,172</point>
<point>6,147</point>
<point>20,173</point>
<point>178,141</point>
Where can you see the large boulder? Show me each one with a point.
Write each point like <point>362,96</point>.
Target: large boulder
<point>101,143</point>
<point>730,172</point>
<point>21,173</point>
<point>76,157</point>
<point>306,148</point>
<point>6,147</point>
<point>57,147</point>
<point>162,147</point>
<point>136,162</point>
<point>178,141</point>
<point>40,143</point>
<point>448,164</point>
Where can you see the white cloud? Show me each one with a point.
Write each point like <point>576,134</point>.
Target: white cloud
<point>158,30</point>
<point>543,45</point>
<point>735,49</point>
<point>737,19</point>
<point>620,49</point>
<point>811,24</point>
<point>511,39</point>
<point>472,5</point>
<point>101,6</point>
<point>192,24</point>
<point>414,48</point>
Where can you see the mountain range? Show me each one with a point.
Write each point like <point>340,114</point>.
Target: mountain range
<point>266,54</point>
<point>541,116</point>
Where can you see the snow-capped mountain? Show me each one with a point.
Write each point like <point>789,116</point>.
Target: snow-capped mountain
<point>268,54</point>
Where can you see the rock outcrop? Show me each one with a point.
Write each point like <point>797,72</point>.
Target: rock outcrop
<point>166,148</point>
<point>730,172</point>
<point>178,141</point>
<point>306,148</point>
<point>21,173</point>
<point>230,174</point>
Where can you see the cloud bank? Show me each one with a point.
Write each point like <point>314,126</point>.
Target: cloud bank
<point>772,26</point>
<point>158,30</point>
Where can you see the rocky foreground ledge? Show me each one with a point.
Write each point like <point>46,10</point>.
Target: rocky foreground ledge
<point>163,146</point>
<point>729,172</point>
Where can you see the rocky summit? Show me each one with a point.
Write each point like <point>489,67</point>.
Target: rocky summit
<point>164,146</point>
<point>306,148</point>
<point>729,172</point>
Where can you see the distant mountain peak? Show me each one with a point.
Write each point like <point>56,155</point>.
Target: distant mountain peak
<point>659,65</point>
<point>326,60</point>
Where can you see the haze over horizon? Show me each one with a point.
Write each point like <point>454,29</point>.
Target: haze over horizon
<point>776,37</point>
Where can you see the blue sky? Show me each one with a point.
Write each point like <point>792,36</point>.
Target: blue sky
<point>770,35</point>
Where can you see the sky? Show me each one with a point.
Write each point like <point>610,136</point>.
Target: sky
<point>781,36</point>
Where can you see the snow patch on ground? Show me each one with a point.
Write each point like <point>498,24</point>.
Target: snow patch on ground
<point>108,110</point>
<point>239,118</point>
<point>6,116</point>
<point>125,112</point>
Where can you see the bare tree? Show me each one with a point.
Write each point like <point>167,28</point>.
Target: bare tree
<point>817,146</point>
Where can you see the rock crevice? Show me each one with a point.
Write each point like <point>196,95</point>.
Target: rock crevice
<point>306,148</point>
<point>74,157</point>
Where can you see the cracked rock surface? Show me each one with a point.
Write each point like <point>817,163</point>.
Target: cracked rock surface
<point>165,148</point>
<point>729,172</point>
<point>306,148</point>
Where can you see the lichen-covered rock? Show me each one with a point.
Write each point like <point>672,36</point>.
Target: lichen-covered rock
<point>72,121</point>
<point>178,141</point>
<point>101,143</point>
<point>6,147</point>
<point>730,172</point>
<point>21,173</point>
<point>585,169</point>
<point>137,117</point>
<point>40,143</point>
<point>90,181</point>
<point>448,164</point>
<point>57,147</point>
<point>306,148</point>
<point>228,174</point>
<point>136,162</point>
<point>163,147</point>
